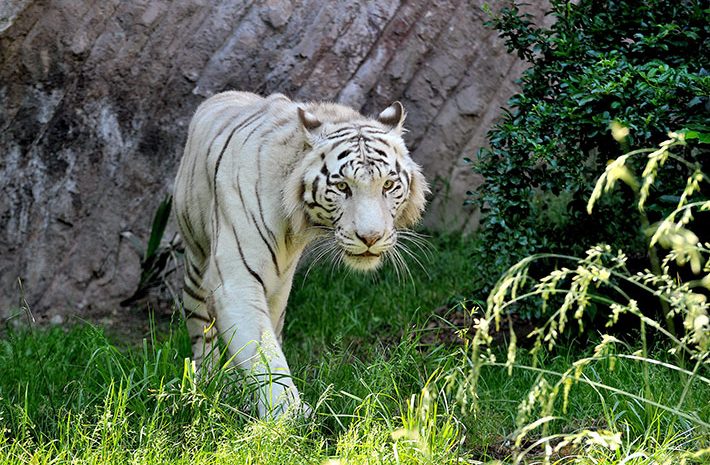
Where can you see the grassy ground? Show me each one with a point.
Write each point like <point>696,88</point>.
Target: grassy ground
<point>366,358</point>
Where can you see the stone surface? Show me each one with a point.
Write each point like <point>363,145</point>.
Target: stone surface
<point>95,99</point>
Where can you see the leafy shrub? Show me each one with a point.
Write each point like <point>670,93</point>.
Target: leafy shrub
<point>602,277</point>
<point>159,259</point>
<point>640,65</point>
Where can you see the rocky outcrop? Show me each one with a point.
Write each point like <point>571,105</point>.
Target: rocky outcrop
<point>95,98</point>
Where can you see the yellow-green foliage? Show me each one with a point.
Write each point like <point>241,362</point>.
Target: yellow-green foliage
<point>602,278</point>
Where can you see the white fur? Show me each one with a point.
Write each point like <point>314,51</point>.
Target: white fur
<point>257,195</point>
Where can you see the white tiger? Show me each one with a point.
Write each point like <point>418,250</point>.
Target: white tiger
<point>259,180</point>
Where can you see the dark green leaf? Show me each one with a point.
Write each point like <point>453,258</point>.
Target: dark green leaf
<point>160,221</point>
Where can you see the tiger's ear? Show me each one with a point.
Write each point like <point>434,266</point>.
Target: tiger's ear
<point>393,117</point>
<point>309,123</point>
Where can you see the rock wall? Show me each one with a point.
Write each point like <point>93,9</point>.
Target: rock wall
<point>96,96</point>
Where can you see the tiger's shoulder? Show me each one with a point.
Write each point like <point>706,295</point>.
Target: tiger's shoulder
<point>243,102</point>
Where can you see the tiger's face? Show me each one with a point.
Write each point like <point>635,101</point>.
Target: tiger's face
<point>360,185</point>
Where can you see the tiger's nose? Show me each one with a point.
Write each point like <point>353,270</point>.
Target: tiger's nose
<point>369,239</point>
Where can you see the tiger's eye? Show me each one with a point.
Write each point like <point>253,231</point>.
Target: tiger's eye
<point>342,186</point>
<point>388,185</point>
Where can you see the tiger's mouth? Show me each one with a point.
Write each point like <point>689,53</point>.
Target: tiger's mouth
<point>364,261</point>
<point>367,253</point>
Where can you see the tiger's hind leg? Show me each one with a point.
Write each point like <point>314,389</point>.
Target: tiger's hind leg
<point>199,318</point>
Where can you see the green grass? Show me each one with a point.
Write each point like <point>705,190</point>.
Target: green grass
<point>353,342</point>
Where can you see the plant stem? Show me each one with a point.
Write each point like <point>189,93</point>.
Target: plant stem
<point>656,269</point>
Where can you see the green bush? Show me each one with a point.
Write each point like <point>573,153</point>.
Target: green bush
<point>641,65</point>
<point>646,424</point>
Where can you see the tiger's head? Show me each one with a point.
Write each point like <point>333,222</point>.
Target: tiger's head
<point>356,183</point>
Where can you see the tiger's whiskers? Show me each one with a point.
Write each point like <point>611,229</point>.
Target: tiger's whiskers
<point>418,240</point>
<point>324,246</point>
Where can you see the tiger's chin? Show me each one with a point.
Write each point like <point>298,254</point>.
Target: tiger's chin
<point>362,262</point>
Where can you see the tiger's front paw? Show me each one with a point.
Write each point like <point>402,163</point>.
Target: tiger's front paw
<point>283,401</point>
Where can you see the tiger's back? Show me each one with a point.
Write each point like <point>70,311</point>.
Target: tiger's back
<point>231,132</point>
